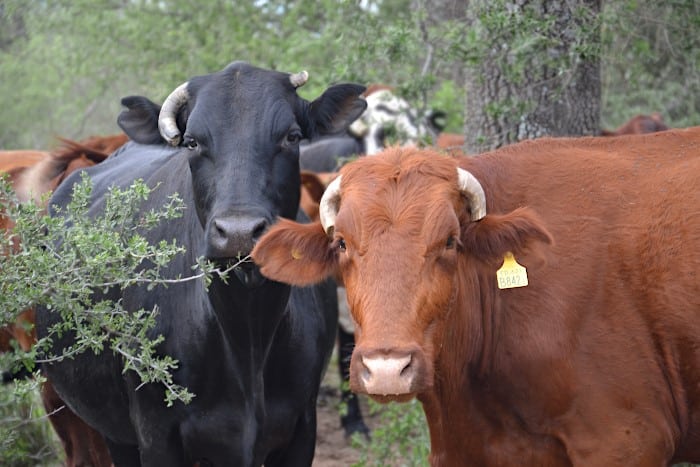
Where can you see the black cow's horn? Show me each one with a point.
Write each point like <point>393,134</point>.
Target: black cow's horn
<point>328,207</point>
<point>167,120</point>
<point>471,188</point>
<point>299,79</point>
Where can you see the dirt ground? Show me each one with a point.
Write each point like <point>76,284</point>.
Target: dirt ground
<point>332,449</point>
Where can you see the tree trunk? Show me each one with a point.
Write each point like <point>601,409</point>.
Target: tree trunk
<point>537,73</point>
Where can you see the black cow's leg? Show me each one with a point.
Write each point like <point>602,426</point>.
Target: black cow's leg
<point>300,451</point>
<point>351,421</point>
<point>123,455</point>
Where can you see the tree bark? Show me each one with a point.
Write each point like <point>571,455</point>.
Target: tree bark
<point>541,82</point>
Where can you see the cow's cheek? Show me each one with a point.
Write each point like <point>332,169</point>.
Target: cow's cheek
<point>435,304</point>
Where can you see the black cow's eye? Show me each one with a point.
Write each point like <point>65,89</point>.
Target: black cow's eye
<point>341,244</point>
<point>189,142</point>
<point>294,136</point>
<point>451,242</point>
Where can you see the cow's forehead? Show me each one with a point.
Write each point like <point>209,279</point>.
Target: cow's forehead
<point>394,189</point>
<point>246,85</point>
<point>243,93</point>
<point>401,165</point>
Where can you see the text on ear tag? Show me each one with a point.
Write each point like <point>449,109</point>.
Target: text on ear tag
<point>511,274</point>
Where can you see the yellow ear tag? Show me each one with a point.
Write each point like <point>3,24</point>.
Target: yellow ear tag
<point>511,274</point>
<point>296,254</point>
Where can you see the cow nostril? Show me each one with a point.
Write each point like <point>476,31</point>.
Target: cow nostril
<point>408,368</point>
<point>365,372</point>
<point>259,229</point>
<point>220,228</point>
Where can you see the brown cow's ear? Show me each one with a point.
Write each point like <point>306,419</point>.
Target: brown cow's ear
<point>496,234</point>
<point>296,254</point>
<point>313,184</point>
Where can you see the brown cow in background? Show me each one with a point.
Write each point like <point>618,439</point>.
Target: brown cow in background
<point>32,175</point>
<point>638,125</point>
<point>587,354</point>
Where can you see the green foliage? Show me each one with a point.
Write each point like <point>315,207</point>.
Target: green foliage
<point>66,263</point>
<point>652,62</point>
<point>63,260</point>
<point>26,438</point>
<point>67,64</point>
<point>400,439</point>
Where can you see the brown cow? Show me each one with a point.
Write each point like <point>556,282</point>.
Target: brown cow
<point>32,175</point>
<point>639,125</point>
<point>450,141</point>
<point>593,360</point>
<point>312,187</point>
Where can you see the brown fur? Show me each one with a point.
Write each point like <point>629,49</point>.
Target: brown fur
<point>450,141</point>
<point>33,174</point>
<point>639,125</point>
<point>372,88</point>
<point>595,362</point>
<point>312,187</point>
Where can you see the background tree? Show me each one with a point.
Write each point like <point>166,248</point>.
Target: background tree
<point>533,69</point>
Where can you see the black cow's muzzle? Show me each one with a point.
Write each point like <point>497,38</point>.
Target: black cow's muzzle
<point>233,236</point>
<point>249,275</point>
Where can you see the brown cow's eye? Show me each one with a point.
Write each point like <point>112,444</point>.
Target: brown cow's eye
<point>451,242</point>
<point>341,244</point>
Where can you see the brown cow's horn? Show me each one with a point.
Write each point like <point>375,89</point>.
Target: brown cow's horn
<point>471,188</point>
<point>299,79</point>
<point>328,207</point>
<point>167,123</point>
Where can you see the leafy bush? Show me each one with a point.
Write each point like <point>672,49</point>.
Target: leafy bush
<point>59,263</point>
<point>401,437</point>
<point>26,437</point>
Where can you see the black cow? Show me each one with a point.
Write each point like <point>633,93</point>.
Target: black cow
<point>253,351</point>
<point>329,154</point>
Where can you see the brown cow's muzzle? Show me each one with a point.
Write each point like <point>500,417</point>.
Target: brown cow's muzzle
<point>390,374</point>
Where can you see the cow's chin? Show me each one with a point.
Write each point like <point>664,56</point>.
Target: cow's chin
<point>249,275</point>
<point>386,398</point>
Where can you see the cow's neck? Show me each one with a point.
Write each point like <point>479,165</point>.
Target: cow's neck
<point>452,408</point>
<point>468,412</point>
<point>249,317</point>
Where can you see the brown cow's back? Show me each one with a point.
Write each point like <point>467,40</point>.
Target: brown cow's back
<point>16,159</point>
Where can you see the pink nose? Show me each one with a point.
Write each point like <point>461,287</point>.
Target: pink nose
<point>385,375</point>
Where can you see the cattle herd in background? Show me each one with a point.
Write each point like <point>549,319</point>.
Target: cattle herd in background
<point>272,417</point>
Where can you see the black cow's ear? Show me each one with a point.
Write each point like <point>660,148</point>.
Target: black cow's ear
<point>140,120</point>
<point>336,109</point>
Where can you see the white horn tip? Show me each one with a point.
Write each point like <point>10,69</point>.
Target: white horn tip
<point>478,214</point>
<point>170,135</point>
<point>299,79</point>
